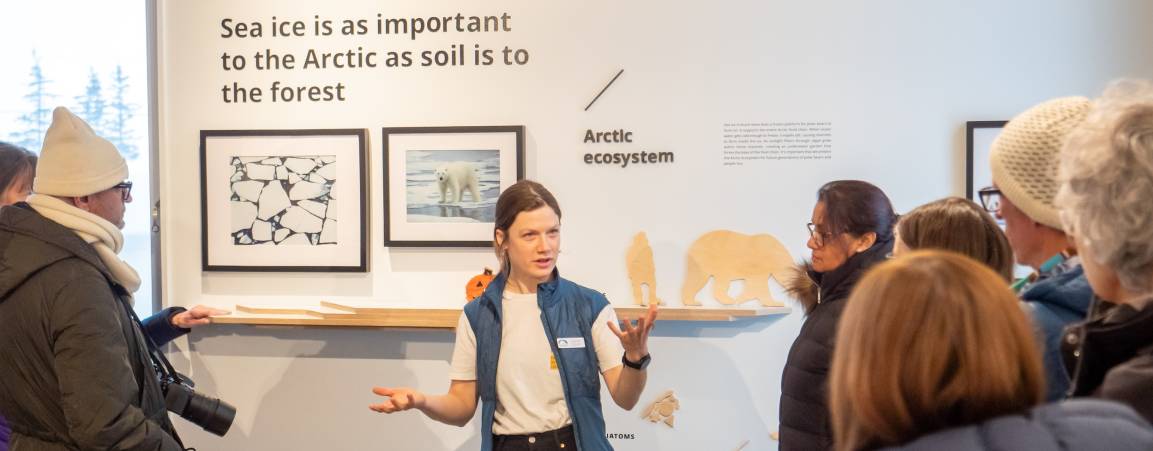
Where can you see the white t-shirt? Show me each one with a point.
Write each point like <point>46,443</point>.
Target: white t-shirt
<point>528,386</point>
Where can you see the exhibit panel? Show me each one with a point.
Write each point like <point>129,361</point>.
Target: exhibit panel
<point>684,144</point>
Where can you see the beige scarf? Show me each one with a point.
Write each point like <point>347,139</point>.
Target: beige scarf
<point>101,234</point>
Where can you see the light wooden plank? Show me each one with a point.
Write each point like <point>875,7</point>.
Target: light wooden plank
<point>415,314</point>
<point>305,320</point>
<point>261,310</point>
<point>319,312</point>
<point>702,313</point>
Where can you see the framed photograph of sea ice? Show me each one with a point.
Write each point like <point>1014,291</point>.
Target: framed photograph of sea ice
<point>284,200</point>
<point>441,183</point>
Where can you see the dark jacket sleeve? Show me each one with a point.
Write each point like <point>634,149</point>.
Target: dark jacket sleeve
<point>97,384</point>
<point>1131,383</point>
<point>159,326</point>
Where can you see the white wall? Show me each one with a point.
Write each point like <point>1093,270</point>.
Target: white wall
<point>897,79</point>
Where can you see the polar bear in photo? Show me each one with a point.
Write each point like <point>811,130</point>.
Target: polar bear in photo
<point>457,177</point>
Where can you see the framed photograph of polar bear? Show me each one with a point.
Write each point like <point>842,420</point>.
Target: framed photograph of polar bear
<point>441,183</point>
<point>269,200</point>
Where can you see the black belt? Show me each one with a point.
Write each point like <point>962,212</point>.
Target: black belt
<point>563,438</point>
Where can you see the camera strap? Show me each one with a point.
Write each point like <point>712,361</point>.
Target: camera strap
<point>159,361</point>
<point>158,358</point>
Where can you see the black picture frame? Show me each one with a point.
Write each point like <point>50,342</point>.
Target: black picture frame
<point>978,136</point>
<point>223,257</point>
<point>397,142</point>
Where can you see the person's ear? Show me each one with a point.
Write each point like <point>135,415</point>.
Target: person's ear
<point>82,202</point>
<point>864,242</point>
<point>499,237</point>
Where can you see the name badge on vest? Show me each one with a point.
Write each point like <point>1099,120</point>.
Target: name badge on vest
<point>570,343</point>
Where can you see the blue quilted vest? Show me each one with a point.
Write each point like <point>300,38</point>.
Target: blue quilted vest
<point>567,311</point>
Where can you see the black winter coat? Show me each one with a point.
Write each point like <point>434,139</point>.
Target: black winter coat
<point>76,372</point>
<point>805,423</point>
<point>1111,356</point>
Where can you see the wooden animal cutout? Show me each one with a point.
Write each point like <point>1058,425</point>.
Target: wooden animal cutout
<point>477,284</point>
<point>661,410</point>
<point>639,260</point>
<point>727,256</point>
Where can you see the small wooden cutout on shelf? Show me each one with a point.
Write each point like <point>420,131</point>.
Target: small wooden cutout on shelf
<point>727,256</point>
<point>639,260</point>
<point>477,284</point>
<point>661,410</point>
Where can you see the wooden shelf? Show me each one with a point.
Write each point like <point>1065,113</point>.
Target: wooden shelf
<point>365,315</point>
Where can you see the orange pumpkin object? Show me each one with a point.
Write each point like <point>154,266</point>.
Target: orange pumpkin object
<point>477,284</point>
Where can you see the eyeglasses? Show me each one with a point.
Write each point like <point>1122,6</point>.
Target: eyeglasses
<point>125,190</point>
<point>990,199</point>
<point>818,237</point>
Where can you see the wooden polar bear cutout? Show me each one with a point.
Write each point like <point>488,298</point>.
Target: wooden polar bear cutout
<point>642,271</point>
<point>727,256</point>
<point>457,177</point>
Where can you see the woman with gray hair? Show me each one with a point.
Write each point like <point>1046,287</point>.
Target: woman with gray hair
<point>1106,173</point>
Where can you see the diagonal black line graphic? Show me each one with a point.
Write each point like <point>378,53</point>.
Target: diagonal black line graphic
<point>604,89</point>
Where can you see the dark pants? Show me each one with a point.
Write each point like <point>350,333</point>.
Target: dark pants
<point>561,439</point>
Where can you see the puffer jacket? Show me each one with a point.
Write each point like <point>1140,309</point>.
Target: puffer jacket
<point>76,369</point>
<point>1053,303</point>
<point>1076,425</point>
<point>804,414</point>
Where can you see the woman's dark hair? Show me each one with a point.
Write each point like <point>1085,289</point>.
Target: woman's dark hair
<point>15,162</point>
<point>525,195</point>
<point>958,225</point>
<point>857,208</point>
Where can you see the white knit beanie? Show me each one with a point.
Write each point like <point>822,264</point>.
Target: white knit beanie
<point>74,161</point>
<point>1024,156</point>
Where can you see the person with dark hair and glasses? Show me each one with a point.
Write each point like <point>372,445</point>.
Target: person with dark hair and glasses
<point>850,231</point>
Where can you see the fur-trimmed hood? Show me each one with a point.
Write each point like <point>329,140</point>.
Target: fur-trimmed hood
<point>810,287</point>
<point>802,287</point>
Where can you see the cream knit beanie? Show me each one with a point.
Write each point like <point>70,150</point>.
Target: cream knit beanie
<point>74,161</point>
<point>1024,156</point>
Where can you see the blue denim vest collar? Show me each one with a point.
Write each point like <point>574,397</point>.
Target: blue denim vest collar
<point>565,308</point>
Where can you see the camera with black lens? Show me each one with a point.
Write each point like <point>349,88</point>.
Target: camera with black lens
<point>181,398</point>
